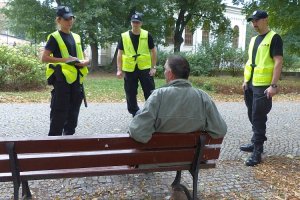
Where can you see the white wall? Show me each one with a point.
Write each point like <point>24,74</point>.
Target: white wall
<point>11,40</point>
<point>237,19</point>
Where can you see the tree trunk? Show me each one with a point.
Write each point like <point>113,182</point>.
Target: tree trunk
<point>114,60</point>
<point>95,56</point>
<point>58,2</point>
<point>179,27</point>
<point>178,40</point>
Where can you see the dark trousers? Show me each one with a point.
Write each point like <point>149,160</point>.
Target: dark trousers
<point>258,107</point>
<point>66,100</point>
<point>131,87</point>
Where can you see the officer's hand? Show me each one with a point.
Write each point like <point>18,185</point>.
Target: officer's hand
<point>82,63</point>
<point>69,59</point>
<point>152,72</point>
<point>270,92</point>
<point>245,86</point>
<point>72,58</point>
<point>119,74</point>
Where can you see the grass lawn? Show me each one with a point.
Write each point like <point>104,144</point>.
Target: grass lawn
<point>104,87</point>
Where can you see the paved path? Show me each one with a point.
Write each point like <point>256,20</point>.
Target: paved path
<point>230,180</point>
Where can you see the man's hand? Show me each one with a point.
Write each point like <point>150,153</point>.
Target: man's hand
<point>152,72</point>
<point>119,74</point>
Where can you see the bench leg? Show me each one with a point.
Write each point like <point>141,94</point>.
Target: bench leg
<point>176,185</point>
<point>25,190</point>
<point>14,167</point>
<point>16,192</point>
<point>195,186</point>
<point>196,165</point>
<point>181,187</point>
<point>177,179</point>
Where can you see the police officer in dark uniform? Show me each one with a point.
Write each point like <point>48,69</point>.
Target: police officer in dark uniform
<point>261,75</point>
<point>137,59</point>
<point>66,70</point>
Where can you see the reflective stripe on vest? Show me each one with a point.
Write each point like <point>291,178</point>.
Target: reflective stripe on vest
<point>69,71</point>
<point>263,72</point>
<point>130,58</point>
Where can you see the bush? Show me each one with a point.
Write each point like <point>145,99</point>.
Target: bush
<point>201,63</point>
<point>290,62</point>
<point>20,70</point>
<point>233,61</point>
<point>210,59</point>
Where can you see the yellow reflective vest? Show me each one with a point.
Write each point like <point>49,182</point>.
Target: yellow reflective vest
<point>131,58</point>
<point>69,71</point>
<point>263,71</point>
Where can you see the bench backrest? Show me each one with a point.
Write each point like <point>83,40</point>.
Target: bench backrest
<point>71,152</point>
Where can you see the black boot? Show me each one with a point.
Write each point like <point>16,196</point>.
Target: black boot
<point>255,157</point>
<point>249,148</point>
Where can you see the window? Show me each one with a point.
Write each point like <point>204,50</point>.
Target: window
<point>235,37</point>
<point>205,32</point>
<point>205,36</point>
<point>170,35</point>
<point>188,37</point>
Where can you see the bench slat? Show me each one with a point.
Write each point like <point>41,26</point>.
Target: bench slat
<point>65,161</point>
<point>208,154</point>
<point>96,171</point>
<point>4,164</point>
<point>103,142</point>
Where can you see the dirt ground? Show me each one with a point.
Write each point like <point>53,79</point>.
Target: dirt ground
<point>282,174</point>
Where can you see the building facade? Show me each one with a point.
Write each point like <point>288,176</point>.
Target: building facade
<point>192,41</point>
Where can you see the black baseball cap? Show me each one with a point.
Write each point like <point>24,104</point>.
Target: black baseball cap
<point>136,18</point>
<point>64,12</point>
<point>258,14</point>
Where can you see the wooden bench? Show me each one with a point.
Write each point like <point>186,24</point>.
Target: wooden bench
<point>27,159</point>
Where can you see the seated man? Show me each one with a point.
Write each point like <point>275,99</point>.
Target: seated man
<point>177,107</point>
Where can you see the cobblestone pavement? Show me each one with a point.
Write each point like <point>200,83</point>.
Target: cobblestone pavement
<point>230,180</point>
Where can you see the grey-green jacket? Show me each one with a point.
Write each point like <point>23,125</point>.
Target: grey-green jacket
<point>177,108</point>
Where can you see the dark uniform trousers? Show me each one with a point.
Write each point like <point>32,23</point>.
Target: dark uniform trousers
<point>66,100</point>
<point>131,87</point>
<point>258,107</point>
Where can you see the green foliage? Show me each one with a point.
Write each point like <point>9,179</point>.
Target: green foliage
<point>102,21</point>
<point>30,19</point>
<point>210,59</point>
<point>291,62</point>
<point>161,60</point>
<point>233,61</point>
<point>201,62</point>
<point>99,22</point>
<point>283,17</point>
<point>20,70</point>
<point>207,86</point>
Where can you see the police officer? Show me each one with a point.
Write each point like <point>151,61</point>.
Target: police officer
<point>261,74</point>
<point>137,59</point>
<point>64,46</point>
